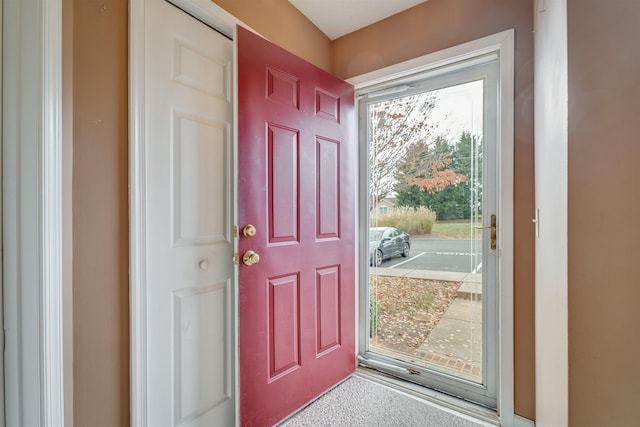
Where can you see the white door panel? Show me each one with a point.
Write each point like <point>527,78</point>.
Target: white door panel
<point>189,246</point>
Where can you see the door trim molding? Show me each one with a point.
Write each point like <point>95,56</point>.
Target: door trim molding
<point>519,421</point>
<point>137,213</point>
<point>222,21</point>
<point>209,13</point>
<point>2,310</point>
<point>503,45</point>
<point>36,348</point>
<point>552,107</point>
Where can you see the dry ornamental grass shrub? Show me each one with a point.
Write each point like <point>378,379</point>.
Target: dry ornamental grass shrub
<point>415,221</point>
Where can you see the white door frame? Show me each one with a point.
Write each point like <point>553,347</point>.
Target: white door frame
<point>2,389</point>
<point>32,214</point>
<point>501,44</point>
<point>551,113</point>
<point>219,19</point>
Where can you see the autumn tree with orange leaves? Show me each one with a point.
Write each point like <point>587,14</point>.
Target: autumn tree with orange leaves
<point>427,167</point>
<point>445,176</point>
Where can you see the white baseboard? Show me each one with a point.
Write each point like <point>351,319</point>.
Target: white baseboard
<point>522,422</point>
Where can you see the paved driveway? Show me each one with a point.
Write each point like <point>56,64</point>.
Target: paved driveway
<point>462,256</point>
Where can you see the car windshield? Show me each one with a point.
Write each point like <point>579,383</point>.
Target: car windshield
<point>375,235</point>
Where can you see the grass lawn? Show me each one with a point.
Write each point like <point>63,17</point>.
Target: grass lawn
<point>453,230</point>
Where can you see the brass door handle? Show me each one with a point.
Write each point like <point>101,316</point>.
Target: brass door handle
<point>250,258</point>
<point>494,231</point>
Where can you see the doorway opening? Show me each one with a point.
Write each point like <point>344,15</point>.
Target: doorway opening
<point>429,294</point>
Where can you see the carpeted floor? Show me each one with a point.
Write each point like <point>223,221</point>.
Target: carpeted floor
<point>359,402</point>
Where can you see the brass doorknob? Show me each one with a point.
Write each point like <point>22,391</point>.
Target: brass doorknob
<point>249,230</point>
<point>250,258</point>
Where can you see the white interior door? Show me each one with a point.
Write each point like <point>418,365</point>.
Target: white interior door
<point>188,211</point>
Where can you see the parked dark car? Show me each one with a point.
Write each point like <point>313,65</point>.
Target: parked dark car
<point>387,242</point>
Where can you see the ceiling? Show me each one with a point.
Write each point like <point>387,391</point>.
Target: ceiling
<point>339,17</point>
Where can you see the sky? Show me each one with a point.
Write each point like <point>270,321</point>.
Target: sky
<point>459,109</point>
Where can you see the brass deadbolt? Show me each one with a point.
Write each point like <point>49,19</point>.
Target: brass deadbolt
<point>249,230</point>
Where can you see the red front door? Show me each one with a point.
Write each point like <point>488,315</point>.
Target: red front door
<point>296,183</point>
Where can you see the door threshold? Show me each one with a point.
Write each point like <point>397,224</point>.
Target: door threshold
<point>443,400</point>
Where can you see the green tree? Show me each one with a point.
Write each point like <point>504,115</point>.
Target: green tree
<point>445,177</point>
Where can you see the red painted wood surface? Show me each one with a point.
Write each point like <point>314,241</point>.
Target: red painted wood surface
<point>296,185</point>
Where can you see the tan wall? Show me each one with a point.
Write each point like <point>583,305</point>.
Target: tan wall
<point>284,25</point>
<point>100,212</point>
<point>604,207</point>
<point>438,24</point>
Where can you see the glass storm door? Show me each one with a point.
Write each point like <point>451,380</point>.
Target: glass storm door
<point>430,288</point>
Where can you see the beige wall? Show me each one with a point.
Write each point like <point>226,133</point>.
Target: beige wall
<point>100,212</point>
<point>438,24</point>
<point>604,207</point>
<point>284,25</point>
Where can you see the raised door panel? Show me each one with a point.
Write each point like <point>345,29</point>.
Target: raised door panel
<point>283,184</point>
<point>199,150</point>
<point>327,188</point>
<point>284,326</point>
<point>328,310</point>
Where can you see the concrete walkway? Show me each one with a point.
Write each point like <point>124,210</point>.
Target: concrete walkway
<point>455,344</point>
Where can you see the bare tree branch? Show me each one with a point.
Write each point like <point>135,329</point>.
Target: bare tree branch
<point>395,125</point>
